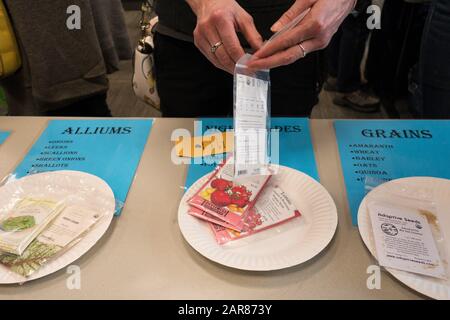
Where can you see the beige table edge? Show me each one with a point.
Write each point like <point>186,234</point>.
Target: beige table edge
<point>143,255</point>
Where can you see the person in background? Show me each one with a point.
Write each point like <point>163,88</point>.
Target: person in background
<point>345,54</point>
<point>434,63</point>
<point>64,71</point>
<point>198,43</point>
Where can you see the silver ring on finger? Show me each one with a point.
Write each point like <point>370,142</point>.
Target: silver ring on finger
<point>216,46</point>
<point>303,50</point>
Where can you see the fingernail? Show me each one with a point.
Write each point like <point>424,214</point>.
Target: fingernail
<point>275,27</point>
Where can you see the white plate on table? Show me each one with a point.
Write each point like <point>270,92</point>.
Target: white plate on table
<point>303,238</point>
<point>94,193</point>
<point>431,287</point>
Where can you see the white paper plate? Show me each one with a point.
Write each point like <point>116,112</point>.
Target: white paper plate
<point>301,239</point>
<point>67,183</point>
<point>434,288</point>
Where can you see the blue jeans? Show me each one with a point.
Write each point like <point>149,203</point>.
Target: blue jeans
<point>434,65</point>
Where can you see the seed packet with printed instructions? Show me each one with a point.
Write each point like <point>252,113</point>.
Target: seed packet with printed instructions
<point>272,209</point>
<point>251,120</point>
<point>227,198</point>
<point>61,234</point>
<point>22,223</point>
<point>407,231</point>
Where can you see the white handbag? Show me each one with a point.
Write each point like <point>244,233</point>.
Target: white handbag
<point>144,80</point>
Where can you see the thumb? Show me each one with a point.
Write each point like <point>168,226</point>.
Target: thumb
<point>295,10</point>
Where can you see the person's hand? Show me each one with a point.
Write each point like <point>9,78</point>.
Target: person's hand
<point>313,33</point>
<point>218,22</point>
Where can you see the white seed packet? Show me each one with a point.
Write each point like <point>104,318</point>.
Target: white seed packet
<point>66,230</point>
<point>404,240</point>
<point>20,225</point>
<point>251,120</point>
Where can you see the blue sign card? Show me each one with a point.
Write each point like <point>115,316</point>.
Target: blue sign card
<point>296,150</point>
<point>384,150</point>
<point>3,136</point>
<point>109,149</point>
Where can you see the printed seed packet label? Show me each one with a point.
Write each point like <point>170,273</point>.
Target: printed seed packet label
<point>20,225</point>
<point>69,225</point>
<point>205,216</point>
<point>227,198</point>
<point>404,240</point>
<point>251,125</point>
<point>63,231</point>
<point>272,209</point>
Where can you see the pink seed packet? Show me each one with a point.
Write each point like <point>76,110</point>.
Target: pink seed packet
<point>272,209</point>
<point>202,215</point>
<point>229,198</point>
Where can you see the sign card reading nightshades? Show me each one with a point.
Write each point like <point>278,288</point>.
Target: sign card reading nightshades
<point>109,149</point>
<point>3,136</point>
<point>404,240</point>
<point>295,147</point>
<point>387,150</point>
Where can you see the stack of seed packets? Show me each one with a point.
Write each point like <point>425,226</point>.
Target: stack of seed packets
<point>20,225</point>
<point>67,229</point>
<point>239,207</point>
<point>34,230</point>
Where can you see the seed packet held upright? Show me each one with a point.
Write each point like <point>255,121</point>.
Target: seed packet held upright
<point>227,199</point>
<point>251,116</point>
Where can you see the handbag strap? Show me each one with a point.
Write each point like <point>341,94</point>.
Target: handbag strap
<point>146,27</point>
<point>147,10</point>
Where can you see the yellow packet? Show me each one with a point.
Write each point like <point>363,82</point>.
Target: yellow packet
<point>201,146</point>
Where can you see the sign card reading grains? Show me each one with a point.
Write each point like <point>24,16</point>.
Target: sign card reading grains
<point>109,149</point>
<point>385,150</point>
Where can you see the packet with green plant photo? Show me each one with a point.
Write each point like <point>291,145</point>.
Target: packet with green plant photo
<point>66,230</point>
<point>22,223</point>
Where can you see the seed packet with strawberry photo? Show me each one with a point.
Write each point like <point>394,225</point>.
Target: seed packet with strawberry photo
<point>228,199</point>
<point>272,209</point>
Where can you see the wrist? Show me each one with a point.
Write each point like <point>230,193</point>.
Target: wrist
<point>195,5</point>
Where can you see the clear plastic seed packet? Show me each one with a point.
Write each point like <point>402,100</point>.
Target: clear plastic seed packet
<point>406,229</point>
<point>45,214</point>
<point>251,120</point>
<point>71,225</point>
<point>252,111</point>
<point>27,218</point>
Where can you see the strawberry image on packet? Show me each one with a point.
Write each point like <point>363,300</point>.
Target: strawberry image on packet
<point>272,209</point>
<point>226,198</point>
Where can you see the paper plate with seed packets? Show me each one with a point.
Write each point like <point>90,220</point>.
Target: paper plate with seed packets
<point>431,287</point>
<point>288,245</point>
<point>75,190</point>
